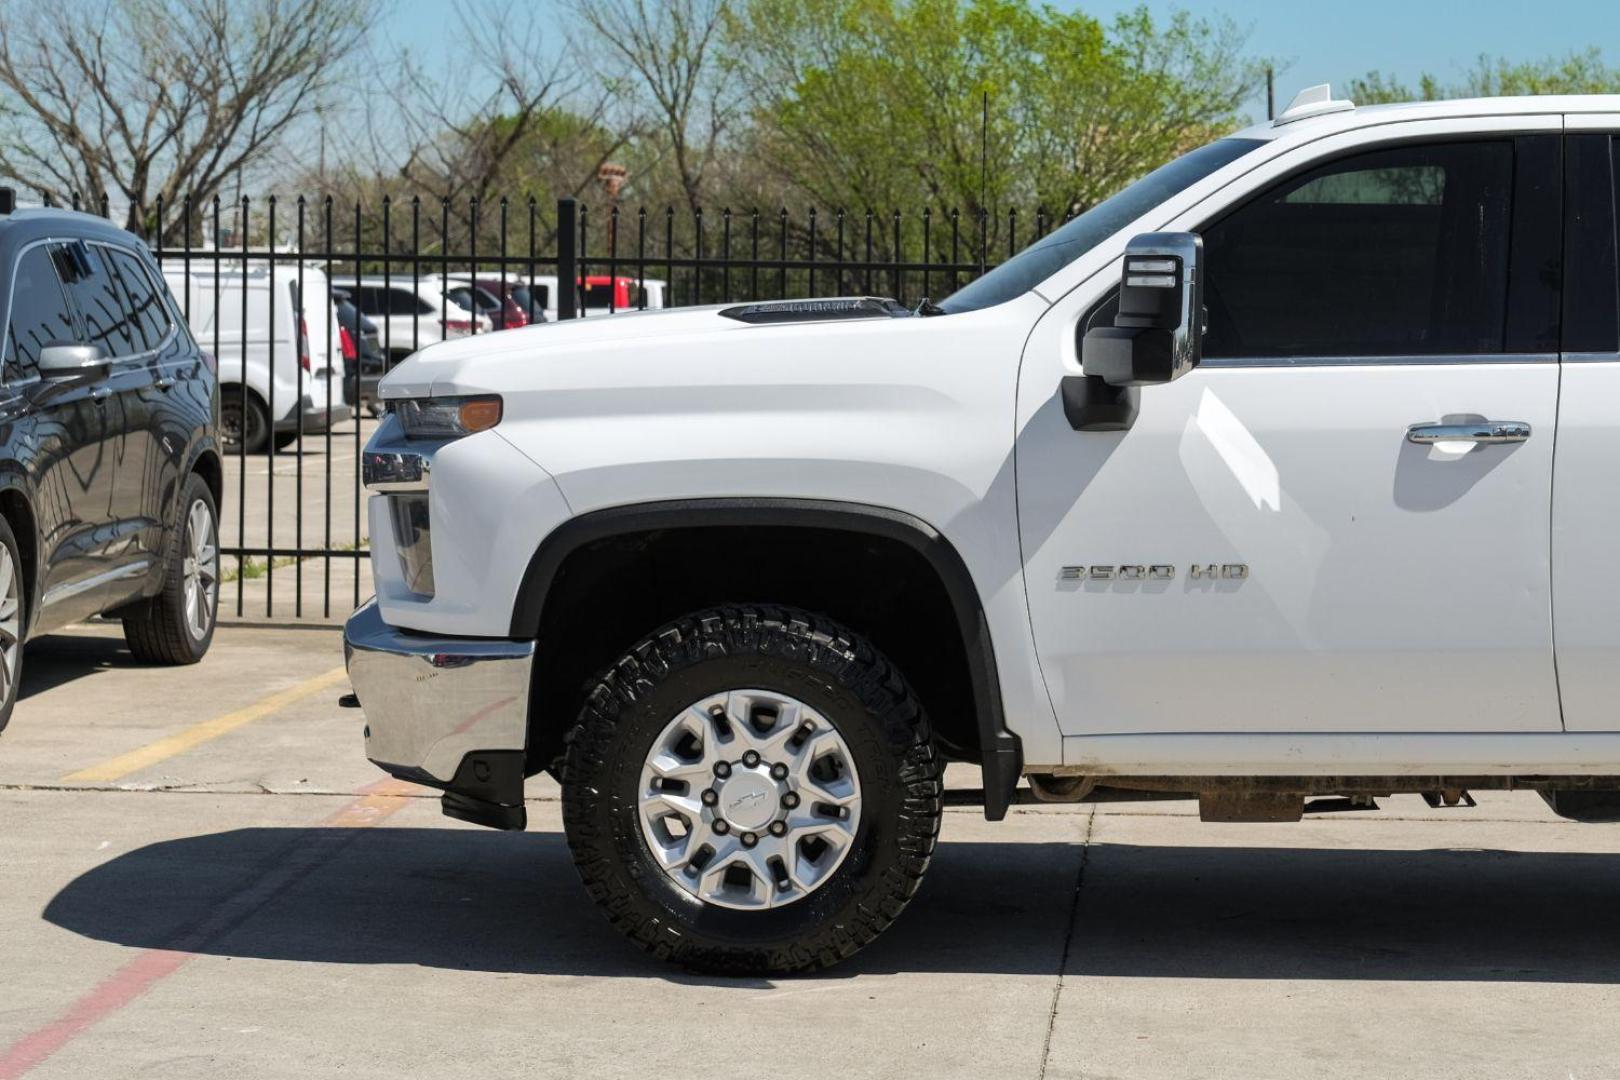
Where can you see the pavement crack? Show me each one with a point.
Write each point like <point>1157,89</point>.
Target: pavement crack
<point>1068,941</point>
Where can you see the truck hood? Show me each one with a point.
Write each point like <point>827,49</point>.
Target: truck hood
<point>514,359</point>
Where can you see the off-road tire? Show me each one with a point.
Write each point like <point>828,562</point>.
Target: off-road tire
<point>817,661</point>
<point>156,629</point>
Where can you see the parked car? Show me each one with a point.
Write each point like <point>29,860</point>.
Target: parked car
<point>1238,487</point>
<point>518,301</point>
<point>600,294</point>
<point>411,315</point>
<point>280,371</point>
<point>363,356</point>
<point>110,477</point>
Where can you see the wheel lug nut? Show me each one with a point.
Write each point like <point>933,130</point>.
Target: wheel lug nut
<point>778,828</point>
<point>751,759</point>
<point>709,797</point>
<point>722,769</point>
<point>779,771</point>
<point>790,800</point>
<point>721,827</point>
<point>749,839</point>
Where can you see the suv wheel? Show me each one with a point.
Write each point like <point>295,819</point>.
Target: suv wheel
<point>13,611</point>
<point>177,625</point>
<point>752,789</point>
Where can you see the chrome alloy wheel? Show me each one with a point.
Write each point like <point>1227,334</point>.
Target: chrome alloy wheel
<point>10,623</point>
<point>749,799</point>
<point>200,569</point>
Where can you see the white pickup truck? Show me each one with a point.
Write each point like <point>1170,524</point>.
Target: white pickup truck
<point>1240,486</point>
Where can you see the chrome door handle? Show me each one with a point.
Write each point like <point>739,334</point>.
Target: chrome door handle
<point>1480,431</point>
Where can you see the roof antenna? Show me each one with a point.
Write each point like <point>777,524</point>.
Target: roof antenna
<point>8,200</point>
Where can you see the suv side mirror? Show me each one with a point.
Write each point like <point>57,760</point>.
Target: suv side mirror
<point>67,360</point>
<point>1158,335</point>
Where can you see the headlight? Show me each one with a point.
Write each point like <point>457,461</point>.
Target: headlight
<point>448,417</point>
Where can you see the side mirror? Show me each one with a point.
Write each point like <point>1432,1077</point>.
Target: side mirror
<point>1157,336</point>
<point>66,361</point>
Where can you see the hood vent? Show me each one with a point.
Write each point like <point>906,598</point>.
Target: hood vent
<point>836,310</point>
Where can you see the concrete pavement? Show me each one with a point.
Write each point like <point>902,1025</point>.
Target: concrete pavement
<point>255,904</point>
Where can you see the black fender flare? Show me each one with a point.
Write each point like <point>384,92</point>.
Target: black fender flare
<point>1002,750</point>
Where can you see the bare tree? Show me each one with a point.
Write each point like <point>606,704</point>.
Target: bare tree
<point>141,99</point>
<point>456,143</point>
<point>494,118</point>
<point>670,50</point>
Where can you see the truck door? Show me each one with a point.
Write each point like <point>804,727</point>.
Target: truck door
<point>1269,548</point>
<point>1586,499</point>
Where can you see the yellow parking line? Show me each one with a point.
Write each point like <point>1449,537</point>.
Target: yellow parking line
<point>121,766</point>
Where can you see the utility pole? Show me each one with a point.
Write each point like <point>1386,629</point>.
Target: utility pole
<point>1271,94</point>
<point>984,174</point>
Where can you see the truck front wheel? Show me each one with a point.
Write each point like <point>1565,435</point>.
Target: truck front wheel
<point>752,789</point>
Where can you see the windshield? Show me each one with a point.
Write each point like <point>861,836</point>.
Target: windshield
<point>1062,246</point>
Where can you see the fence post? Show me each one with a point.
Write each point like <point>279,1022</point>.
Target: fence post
<point>567,259</point>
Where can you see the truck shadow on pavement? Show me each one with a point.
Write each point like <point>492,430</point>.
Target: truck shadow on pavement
<point>511,903</point>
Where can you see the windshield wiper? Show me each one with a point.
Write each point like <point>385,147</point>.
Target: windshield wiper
<point>926,307</point>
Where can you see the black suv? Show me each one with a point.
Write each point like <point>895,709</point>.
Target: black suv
<point>110,475</point>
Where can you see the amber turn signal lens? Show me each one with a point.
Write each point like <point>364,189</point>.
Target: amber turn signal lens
<point>480,414</point>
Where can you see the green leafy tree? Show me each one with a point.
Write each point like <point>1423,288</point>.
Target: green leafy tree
<point>878,103</point>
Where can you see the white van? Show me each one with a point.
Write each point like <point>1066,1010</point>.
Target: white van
<point>289,360</point>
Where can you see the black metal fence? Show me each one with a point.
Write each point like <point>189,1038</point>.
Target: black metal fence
<point>307,559</point>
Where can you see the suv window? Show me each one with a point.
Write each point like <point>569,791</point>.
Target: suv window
<point>1396,252</point>
<point>100,301</point>
<point>145,302</point>
<point>39,314</point>
<point>402,302</point>
<point>532,300</point>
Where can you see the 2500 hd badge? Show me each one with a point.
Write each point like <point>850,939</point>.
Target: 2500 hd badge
<point>1155,572</point>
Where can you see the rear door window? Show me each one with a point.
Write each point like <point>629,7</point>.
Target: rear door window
<point>1591,280</point>
<point>100,301</point>
<point>405,302</point>
<point>39,314</point>
<point>366,298</point>
<point>146,303</point>
<point>532,300</point>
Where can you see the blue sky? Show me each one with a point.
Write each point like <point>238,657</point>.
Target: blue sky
<point>1321,41</point>
<point>1334,41</point>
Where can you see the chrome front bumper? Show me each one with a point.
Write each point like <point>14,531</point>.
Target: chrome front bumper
<point>430,702</point>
